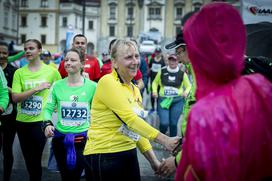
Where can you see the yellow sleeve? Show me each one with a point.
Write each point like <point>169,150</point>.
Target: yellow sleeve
<point>186,83</point>
<point>109,91</point>
<point>156,82</point>
<point>144,145</point>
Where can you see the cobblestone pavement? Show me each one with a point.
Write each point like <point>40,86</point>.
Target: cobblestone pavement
<point>19,172</point>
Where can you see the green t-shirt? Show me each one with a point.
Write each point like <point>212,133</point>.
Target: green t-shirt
<point>73,105</point>
<point>31,109</point>
<point>4,97</point>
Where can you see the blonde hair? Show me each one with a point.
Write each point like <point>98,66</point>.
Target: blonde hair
<point>121,44</point>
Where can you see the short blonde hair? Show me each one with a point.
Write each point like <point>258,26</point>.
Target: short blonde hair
<point>120,44</point>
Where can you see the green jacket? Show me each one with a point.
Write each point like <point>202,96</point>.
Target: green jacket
<point>4,97</point>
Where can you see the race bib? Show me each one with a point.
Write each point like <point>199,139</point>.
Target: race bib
<point>32,105</point>
<point>127,132</point>
<point>74,113</point>
<point>155,67</point>
<point>170,91</point>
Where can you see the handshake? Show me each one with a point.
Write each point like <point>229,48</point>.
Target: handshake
<point>166,167</point>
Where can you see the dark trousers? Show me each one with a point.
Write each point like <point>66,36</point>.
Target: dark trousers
<point>121,166</point>
<point>32,141</point>
<point>7,134</point>
<point>60,155</point>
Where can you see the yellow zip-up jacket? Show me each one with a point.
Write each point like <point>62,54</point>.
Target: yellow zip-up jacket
<point>113,98</point>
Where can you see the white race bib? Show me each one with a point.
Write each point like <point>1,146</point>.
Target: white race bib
<point>127,132</point>
<point>170,91</point>
<point>74,113</point>
<point>32,105</point>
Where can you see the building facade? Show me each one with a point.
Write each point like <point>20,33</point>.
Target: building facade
<point>70,19</point>
<point>39,20</point>
<point>50,20</point>
<point>136,18</point>
<point>8,20</point>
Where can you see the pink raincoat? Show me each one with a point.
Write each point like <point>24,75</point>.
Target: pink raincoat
<point>229,133</point>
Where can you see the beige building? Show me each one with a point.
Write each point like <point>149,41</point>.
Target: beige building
<point>39,20</point>
<point>48,20</point>
<point>134,18</point>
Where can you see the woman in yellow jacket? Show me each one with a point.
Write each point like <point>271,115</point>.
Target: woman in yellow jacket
<point>117,127</point>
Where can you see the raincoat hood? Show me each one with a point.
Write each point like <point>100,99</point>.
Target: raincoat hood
<point>215,36</point>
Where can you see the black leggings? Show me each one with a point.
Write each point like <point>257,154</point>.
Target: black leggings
<point>121,166</point>
<point>7,134</point>
<point>32,141</point>
<point>60,155</point>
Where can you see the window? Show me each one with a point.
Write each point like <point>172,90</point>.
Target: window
<point>179,11</point>
<point>112,31</point>
<point>23,38</point>
<point>43,21</point>
<point>43,39</point>
<point>130,31</point>
<point>23,21</point>
<point>76,21</point>
<point>112,12</point>
<point>154,13</point>
<point>44,3</point>
<point>24,3</point>
<point>91,25</point>
<point>158,11</point>
<point>6,17</point>
<point>64,21</point>
<point>130,13</point>
<point>14,20</point>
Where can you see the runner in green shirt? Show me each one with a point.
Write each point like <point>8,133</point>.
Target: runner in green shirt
<point>73,97</point>
<point>30,89</point>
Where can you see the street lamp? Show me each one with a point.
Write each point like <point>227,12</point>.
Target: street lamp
<point>18,14</point>
<point>83,16</point>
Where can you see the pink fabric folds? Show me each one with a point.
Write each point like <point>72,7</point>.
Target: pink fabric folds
<point>229,131</point>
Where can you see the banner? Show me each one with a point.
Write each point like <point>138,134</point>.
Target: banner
<point>69,35</point>
<point>254,11</point>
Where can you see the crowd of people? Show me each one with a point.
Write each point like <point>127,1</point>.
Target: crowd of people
<point>101,120</point>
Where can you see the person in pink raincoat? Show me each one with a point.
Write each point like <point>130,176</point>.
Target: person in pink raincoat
<point>229,132</point>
